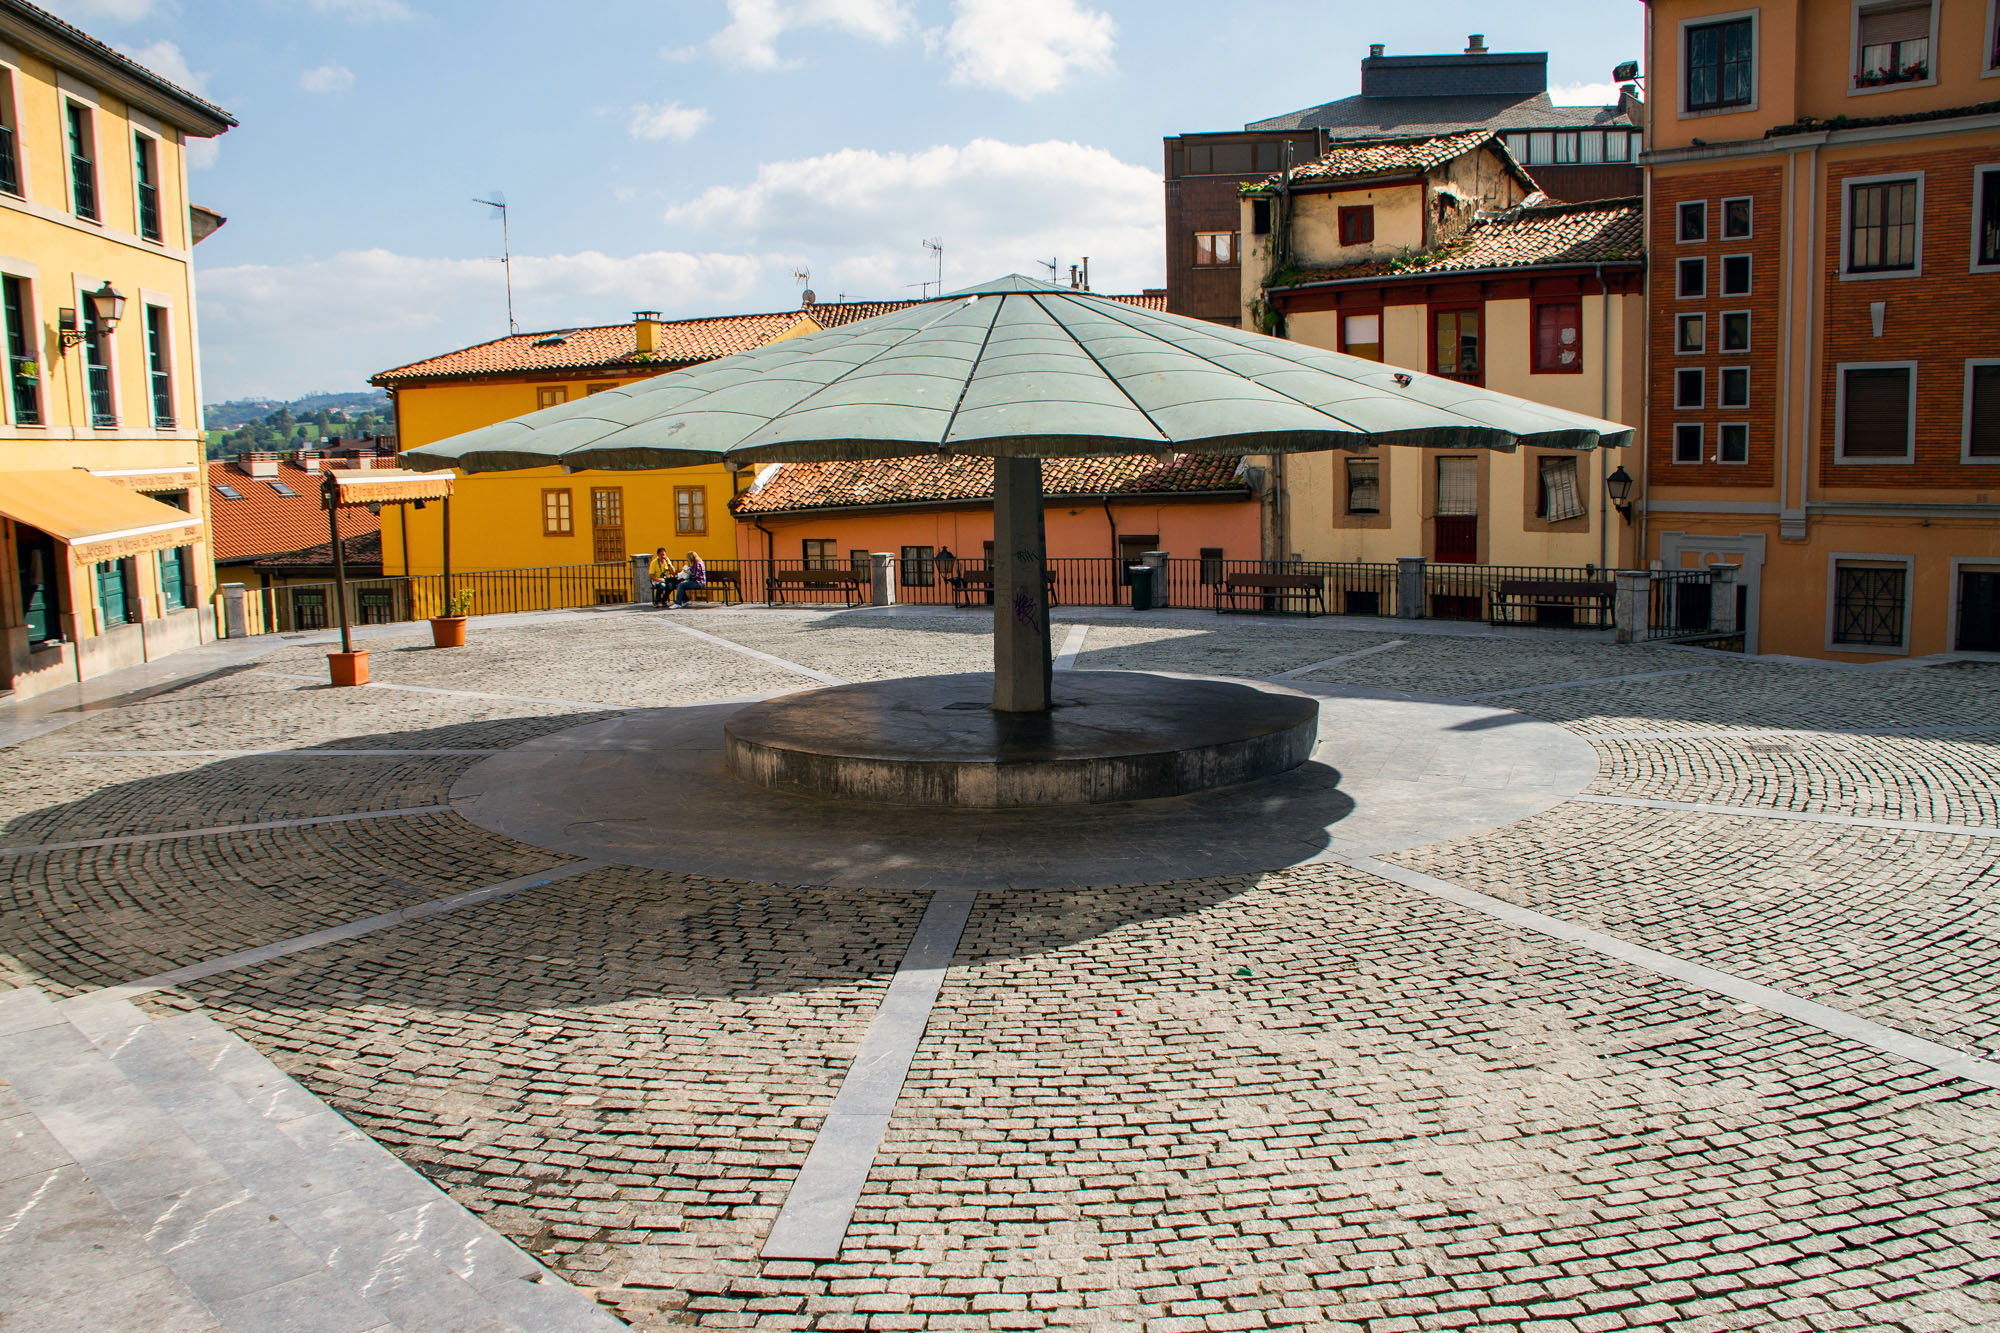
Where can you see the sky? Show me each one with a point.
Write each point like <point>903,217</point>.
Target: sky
<point>694,156</point>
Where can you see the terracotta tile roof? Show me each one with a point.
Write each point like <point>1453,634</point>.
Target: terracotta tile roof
<point>118,59</point>
<point>1352,159</point>
<point>265,523</point>
<point>929,480</point>
<point>613,347</point>
<point>364,554</point>
<point>1604,231</point>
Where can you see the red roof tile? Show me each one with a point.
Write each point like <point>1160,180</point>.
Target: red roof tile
<point>1351,159</point>
<point>1604,231</point>
<point>364,554</point>
<point>263,523</point>
<point>930,480</point>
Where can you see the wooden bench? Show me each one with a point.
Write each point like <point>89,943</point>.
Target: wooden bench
<point>979,583</point>
<point>1537,596</point>
<point>1269,592</point>
<point>852,585</point>
<point>724,580</point>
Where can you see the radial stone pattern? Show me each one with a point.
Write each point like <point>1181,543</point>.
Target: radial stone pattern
<point>935,740</point>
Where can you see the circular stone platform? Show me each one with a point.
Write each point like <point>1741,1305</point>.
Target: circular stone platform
<point>935,740</point>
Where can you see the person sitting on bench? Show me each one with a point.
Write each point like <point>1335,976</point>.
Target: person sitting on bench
<point>662,570</point>
<point>694,574</point>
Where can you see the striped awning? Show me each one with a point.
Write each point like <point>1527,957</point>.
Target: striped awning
<point>391,487</point>
<point>95,518</point>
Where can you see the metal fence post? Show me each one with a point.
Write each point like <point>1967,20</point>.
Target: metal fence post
<point>1722,599</point>
<point>1410,587</point>
<point>1633,605</point>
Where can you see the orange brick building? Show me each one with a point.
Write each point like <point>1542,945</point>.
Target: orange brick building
<point>1823,406</point>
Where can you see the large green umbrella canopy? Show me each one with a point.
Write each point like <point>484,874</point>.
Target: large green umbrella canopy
<point>1014,368</point>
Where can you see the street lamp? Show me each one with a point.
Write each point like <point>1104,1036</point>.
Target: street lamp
<point>1619,487</point>
<point>107,303</point>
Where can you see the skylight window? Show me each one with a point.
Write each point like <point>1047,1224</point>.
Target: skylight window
<point>229,492</point>
<point>282,489</point>
<point>553,340</point>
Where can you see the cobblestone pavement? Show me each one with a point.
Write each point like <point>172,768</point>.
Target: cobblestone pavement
<point>1313,1098</point>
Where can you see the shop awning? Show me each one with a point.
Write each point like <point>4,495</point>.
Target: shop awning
<point>391,487</point>
<point>95,518</point>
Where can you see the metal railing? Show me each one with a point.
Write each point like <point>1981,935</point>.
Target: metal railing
<point>1680,604</point>
<point>296,607</point>
<point>1473,592</point>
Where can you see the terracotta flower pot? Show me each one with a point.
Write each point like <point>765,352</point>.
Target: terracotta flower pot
<point>349,668</point>
<point>448,631</point>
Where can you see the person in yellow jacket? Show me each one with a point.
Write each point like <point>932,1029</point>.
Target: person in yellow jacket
<point>665,575</point>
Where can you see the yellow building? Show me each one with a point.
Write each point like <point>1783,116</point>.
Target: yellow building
<point>104,558</point>
<point>1437,252</point>
<point>543,517</point>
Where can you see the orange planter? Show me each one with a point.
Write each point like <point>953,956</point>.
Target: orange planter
<point>349,668</point>
<point>448,631</point>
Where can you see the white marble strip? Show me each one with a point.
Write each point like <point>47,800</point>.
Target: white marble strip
<point>1579,684</point>
<point>1875,1036</point>
<point>1805,816</point>
<point>216,830</point>
<point>265,953</point>
<point>813,1222</point>
<point>1336,661</point>
<point>313,753</point>
<point>457,694</point>
<point>768,659</point>
<point>1072,645</point>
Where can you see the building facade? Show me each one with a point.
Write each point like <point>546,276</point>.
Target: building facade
<point>1433,254</point>
<point>1824,403</point>
<point>1575,153</point>
<point>104,554</point>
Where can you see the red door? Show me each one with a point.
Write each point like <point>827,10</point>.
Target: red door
<point>1457,539</point>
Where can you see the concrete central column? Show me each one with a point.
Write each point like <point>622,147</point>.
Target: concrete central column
<point>1022,662</point>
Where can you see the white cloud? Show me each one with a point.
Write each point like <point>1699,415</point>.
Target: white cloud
<point>858,214</point>
<point>749,41</point>
<point>1027,47</point>
<point>165,59</point>
<point>373,309</point>
<point>365,11</point>
<point>1584,94</point>
<point>84,12</point>
<point>327,78</point>
<point>666,120</point>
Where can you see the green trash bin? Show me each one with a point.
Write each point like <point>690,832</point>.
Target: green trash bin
<point>1141,578</point>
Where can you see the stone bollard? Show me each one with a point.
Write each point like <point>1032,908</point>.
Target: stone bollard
<point>235,615</point>
<point>1410,587</point>
<point>1633,605</point>
<point>1722,599</point>
<point>642,577</point>
<point>1157,561</point>
<point>881,578</point>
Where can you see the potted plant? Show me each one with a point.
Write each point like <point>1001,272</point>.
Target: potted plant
<point>448,630</point>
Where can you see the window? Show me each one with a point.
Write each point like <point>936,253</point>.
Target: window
<point>1561,497</point>
<point>1733,442</point>
<point>279,488</point>
<point>1260,217</point>
<point>1617,146</point>
<point>1690,333</point>
<point>555,513</point>
<point>859,563</point>
<point>820,554</point>
<point>1691,277</point>
<point>24,378</point>
<point>1690,387</point>
<point>1214,249</point>
<point>1361,335</point>
<point>1993,40</point>
<point>691,510</point>
<point>1982,410</point>
<point>1894,42</point>
<point>1364,486</point>
<point>1694,220</point>
<point>1593,146</point>
<point>1211,566</point>
<point>1357,225</point>
<point>146,184</point>
<point>607,524</point>
<point>919,567</point>
<point>1986,218</point>
<point>1541,147</point>
<point>1868,603</point>
<point>1735,218</point>
<point>10,159</point>
<point>590,389</point>
<point>1566,149</point>
<point>97,368</point>
<point>229,492</point>
<point>1882,226</point>
<point>1720,63</point>
<point>1736,275</point>
<point>82,163</point>
<point>1875,415</point>
<point>1517,147</point>
<point>550,396</point>
<point>1736,330</point>
<point>160,367</point>
<point>1735,387</point>
<point>1687,443</point>
<point>1455,348</point>
<point>1558,338</point>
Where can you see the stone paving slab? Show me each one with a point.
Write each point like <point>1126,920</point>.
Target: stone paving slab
<point>1221,649</point>
<point>856,648</point>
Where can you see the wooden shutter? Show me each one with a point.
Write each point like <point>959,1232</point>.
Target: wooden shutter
<point>1875,422</point>
<point>1559,490</point>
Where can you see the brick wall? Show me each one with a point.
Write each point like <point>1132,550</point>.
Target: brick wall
<point>1763,185</point>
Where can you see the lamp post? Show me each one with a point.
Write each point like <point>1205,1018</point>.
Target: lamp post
<point>1619,487</point>
<point>107,303</point>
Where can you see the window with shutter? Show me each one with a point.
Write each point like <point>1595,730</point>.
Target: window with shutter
<point>1875,412</point>
<point>1895,43</point>
<point>1558,338</point>
<point>1561,497</point>
<point>1455,351</point>
<point>1982,410</point>
<point>1361,335</point>
<point>1364,486</point>
<point>1458,486</point>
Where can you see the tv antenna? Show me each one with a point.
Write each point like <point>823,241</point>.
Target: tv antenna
<point>802,275</point>
<point>1052,265</point>
<point>498,203</point>
<point>935,244</point>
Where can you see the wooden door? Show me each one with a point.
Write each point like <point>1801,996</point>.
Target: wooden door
<point>607,524</point>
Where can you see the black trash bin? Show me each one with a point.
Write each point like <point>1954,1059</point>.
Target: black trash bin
<point>1141,578</point>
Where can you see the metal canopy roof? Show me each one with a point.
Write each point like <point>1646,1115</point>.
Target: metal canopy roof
<point>1014,368</point>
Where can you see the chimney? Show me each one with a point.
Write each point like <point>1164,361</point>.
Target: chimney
<point>308,460</point>
<point>646,330</point>
<point>261,465</point>
<point>806,299</point>
<point>1375,50</point>
<point>1475,45</point>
